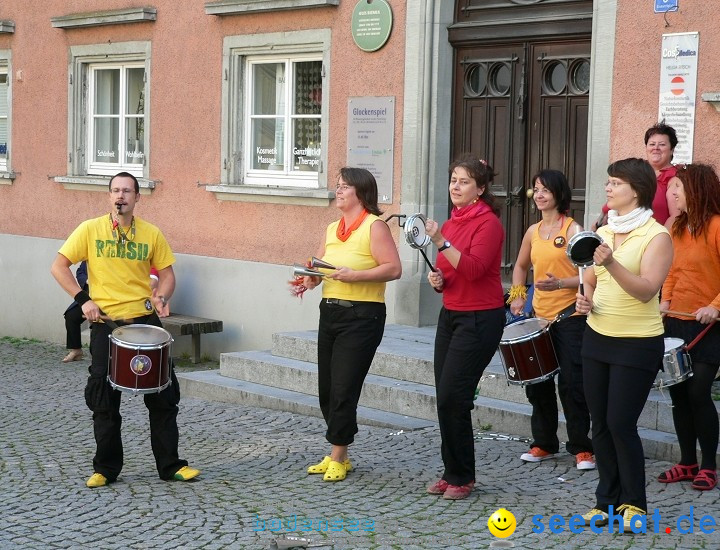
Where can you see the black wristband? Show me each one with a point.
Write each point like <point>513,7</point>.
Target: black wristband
<point>82,297</point>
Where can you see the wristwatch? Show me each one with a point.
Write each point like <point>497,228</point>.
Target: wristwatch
<point>163,300</point>
<point>444,246</point>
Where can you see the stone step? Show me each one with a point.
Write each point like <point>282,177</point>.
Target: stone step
<point>379,392</point>
<point>211,385</point>
<point>489,414</point>
<point>408,357</point>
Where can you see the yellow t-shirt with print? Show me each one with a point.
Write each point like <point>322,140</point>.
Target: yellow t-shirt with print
<point>119,274</point>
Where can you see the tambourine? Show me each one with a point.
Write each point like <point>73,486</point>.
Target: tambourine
<point>580,250</point>
<point>416,236</point>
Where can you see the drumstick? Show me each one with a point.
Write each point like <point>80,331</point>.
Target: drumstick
<point>426,259</point>
<point>681,313</point>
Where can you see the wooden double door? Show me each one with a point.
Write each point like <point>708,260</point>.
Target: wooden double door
<point>523,106</point>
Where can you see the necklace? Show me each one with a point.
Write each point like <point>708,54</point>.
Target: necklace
<point>122,238</point>
<point>550,229</point>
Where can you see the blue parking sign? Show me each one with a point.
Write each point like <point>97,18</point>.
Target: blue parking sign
<point>662,6</point>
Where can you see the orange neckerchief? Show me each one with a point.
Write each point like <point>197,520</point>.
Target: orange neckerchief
<point>344,234</point>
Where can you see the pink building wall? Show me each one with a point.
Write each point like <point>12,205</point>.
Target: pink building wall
<point>185,124</point>
<point>636,78</point>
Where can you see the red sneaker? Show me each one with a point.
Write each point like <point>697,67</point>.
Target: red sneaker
<point>458,492</point>
<point>536,454</point>
<point>585,461</point>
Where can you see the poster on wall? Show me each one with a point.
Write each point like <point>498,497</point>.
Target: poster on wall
<point>371,134</point>
<point>678,83</point>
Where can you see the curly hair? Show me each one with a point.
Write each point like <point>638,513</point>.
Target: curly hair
<point>702,198</point>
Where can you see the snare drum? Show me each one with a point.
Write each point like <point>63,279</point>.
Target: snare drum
<point>527,352</point>
<point>139,359</point>
<point>676,365</point>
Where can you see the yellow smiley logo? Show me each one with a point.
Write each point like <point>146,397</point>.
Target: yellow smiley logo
<point>502,523</point>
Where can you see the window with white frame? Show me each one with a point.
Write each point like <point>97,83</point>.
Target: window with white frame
<point>275,109</point>
<point>4,115</point>
<point>284,108</point>
<point>116,118</point>
<point>108,110</point>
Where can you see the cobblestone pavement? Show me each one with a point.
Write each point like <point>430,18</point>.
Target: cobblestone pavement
<point>253,462</point>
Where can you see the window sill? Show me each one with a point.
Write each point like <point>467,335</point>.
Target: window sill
<point>237,7</point>
<point>273,195</point>
<point>6,178</point>
<point>7,26</point>
<point>99,183</point>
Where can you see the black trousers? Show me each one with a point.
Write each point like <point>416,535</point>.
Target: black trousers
<point>567,338</point>
<point>104,402</point>
<point>465,343</point>
<point>695,416</point>
<point>73,321</point>
<point>347,340</point>
<point>616,395</point>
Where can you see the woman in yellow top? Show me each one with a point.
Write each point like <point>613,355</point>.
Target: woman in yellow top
<point>352,310</point>
<point>544,246</point>
<point>623,343</point>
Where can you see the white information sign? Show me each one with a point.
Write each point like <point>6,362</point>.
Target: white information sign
<point>371,135</point>
<point>678,84</point>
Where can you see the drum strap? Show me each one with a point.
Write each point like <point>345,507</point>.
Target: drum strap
<point>697,338</point>
<point>567,312</point>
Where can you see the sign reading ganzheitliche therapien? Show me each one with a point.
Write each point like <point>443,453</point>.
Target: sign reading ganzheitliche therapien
<point>371,24</point>
<point>678,84</point>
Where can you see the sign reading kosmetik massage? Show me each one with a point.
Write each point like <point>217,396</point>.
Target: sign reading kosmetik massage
<point>371,24</point>
<point>371,135</point>
<point>678,83</point>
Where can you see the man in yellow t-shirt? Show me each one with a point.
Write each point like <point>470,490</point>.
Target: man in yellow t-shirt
<point>120,250</point>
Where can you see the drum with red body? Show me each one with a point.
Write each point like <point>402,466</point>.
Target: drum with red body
<point>139,359</point>
<point>527,352</point>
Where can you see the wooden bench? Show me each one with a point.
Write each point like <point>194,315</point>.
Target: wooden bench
<point>182,325</point>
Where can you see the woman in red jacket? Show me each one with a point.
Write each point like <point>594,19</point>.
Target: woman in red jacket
<point>472,317</point>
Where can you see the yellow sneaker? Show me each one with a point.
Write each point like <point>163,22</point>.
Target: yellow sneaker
<point>601,520</point>
<point>629,512</point>
<point>186,473</point>
<point>96,480</point>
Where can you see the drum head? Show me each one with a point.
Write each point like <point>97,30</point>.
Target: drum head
<point>673,343</point>
<point>522,329</point>
<point>415,234</point>
<point>581,248</point>
<point>141,335</point>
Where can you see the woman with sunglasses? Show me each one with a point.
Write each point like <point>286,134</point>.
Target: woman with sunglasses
<point>693,286</point>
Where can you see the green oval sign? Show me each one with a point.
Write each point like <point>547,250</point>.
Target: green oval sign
<point>371,24</point>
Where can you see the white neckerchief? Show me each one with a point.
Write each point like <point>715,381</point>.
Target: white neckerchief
<point>628,222</point>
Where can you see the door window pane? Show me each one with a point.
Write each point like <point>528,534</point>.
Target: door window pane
<point>106,138</point>
<point>267,144</point>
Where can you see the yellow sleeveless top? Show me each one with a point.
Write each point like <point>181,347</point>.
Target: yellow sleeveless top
<point>615,312</point>
<point>355,254</point>
<point>550,256</point>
